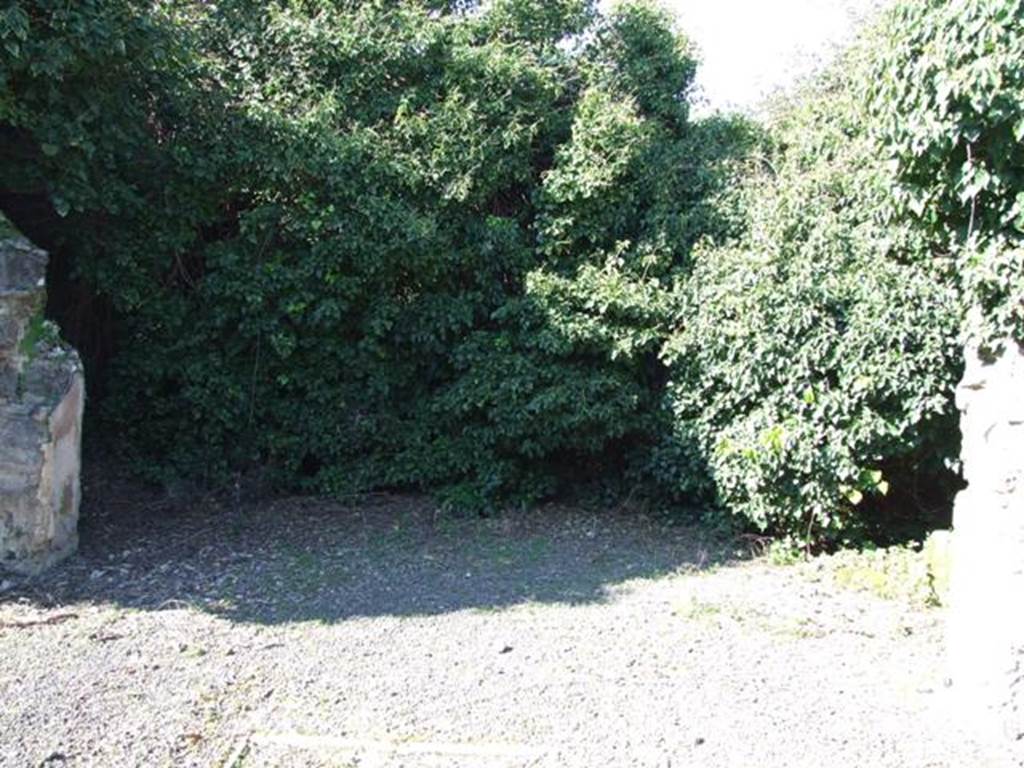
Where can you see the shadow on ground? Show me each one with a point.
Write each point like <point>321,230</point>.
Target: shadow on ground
<point>305,559</point>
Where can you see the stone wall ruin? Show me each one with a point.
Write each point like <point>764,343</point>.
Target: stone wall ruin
<point>986,621</point>
<point>42,395</point>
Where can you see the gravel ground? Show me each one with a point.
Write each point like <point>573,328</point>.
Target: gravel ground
<point>302,632</point>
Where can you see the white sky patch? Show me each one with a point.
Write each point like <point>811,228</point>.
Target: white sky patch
<point>750,48</point>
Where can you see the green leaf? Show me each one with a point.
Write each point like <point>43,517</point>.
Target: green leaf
<point>60,205</point>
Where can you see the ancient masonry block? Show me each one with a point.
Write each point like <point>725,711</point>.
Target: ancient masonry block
<point>42,394</point>
<point>986,622</point>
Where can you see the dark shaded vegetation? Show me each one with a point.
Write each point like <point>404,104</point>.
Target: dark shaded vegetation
<point>486,252</point>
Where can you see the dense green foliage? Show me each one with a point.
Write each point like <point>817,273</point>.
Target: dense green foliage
<point>372,244</point>
<point>485,250</point>
<point>813,370</point>
<point>948,98</point>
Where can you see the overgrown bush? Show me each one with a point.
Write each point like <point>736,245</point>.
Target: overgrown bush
<point>947,97</point>
<point>484,249</point>
<point>813,371</point>
<point>414,244</point>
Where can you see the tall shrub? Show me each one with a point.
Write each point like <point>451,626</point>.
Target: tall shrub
<point>813,369</point>
<point>948,101</point>
<point>412,244</point>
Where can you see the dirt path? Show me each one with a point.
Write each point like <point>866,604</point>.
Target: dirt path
<point>305,633</point>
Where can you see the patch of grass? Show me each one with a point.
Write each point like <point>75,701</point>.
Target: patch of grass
<point>800,628</point>
<point>913,572</point>
<point>696,609</point>
<point>784,552</point>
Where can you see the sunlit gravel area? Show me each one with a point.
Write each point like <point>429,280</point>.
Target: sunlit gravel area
<point>310,633</point>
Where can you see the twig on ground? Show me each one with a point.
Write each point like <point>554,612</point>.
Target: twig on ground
<point>58,619</point>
